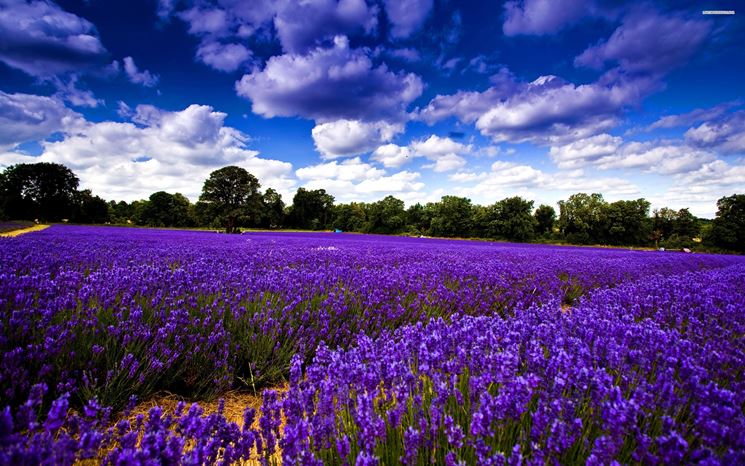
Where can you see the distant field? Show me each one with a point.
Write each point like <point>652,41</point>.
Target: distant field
<point>387,349</point>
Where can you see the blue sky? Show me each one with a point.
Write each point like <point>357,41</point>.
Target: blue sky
<point>415,98</point>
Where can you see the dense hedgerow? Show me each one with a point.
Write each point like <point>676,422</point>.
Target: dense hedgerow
<point>399,348</point>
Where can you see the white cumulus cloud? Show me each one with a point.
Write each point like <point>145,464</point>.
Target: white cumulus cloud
<point>583,151</point>
<point>137,76</point>
<point>328,84</point>
<point>407,16</point>
<point>665,157</point>
<point>28,117</point>
<point>392,155</point>
<point>355,180</point>
<point>341,138</point>
<point>171,151</point>
<point>223,57</point>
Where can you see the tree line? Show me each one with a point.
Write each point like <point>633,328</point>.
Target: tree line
<point>232,199</point>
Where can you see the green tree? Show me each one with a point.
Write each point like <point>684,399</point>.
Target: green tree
<point>728,227</point>
<point>514,219</point>
<point>204,216</point>
<point>230,197</point>
<point>184,211</point>
<point>451,217</point>
<point>350,217</point>
<point>662,224</point>
<point>686,225</point>
<point>386,216</point>
<point>273,209</point>
<point>674,229</point>
<point>418,219</point>
<point>167,210</point>
<point>545,218</point>
<point>627,222</point>
<point>90,208</point>
<point>311,209</point>
<point>137,208</point>
<point>484,221</point>
<point>44,191</point>
<point>121,213</point>
<point>581,218</point>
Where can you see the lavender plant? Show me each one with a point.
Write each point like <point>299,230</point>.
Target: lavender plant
<point>397,350</point>
<point>649,372</point>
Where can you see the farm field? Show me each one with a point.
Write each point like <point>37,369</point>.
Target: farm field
<point>385,350</point>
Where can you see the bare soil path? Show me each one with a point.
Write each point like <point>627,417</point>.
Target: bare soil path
<point>10,234</point>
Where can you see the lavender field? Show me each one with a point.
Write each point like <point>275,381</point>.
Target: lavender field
<point>387,350</point>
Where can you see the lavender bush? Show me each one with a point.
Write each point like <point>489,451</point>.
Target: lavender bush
<point>647,373</point>
<point>397,349</point>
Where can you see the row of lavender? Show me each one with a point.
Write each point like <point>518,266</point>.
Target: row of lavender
<point>656,380</point>
<point>107,313</point>
<point>646,373</point>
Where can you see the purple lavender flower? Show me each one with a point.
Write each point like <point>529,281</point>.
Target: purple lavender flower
<point>394,348</point>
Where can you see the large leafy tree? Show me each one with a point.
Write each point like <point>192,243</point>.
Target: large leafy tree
<point>514,219</point>
<point>418,218</point>
<point>510,218</point>
<point>273,209</point>
<point>167,210</point>
<point>686,224</point>
<point>663,221</point>
<point>311,209</point>
<point>728,228</point>
<point>44,191</point>
<point>545,218</point>
<point>230,196</point>
<point>121,212</point>
<point>672,228</point>
<point>627,222</point>
<point>386,216</point>
<point>350,217</point>
<point>90,208</point>
<point>484,223</point>
<point>452,216</point>
<point>581,218</point>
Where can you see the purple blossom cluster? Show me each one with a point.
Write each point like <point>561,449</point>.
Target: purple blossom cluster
<point>648,372</point>
<point>186,436</point>
<point>397,349</point>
